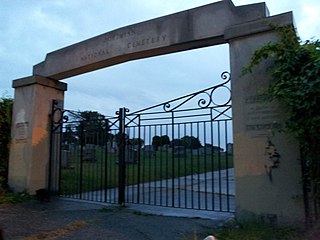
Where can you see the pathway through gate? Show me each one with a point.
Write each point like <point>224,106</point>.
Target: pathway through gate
<point>174,154</point>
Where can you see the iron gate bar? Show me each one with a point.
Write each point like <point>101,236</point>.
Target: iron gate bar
<point>173,157</point>
<point>122,166</point>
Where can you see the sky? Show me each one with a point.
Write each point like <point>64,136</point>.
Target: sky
<point>31,29</point>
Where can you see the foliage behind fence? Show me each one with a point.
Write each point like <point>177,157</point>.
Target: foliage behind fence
<point>5,129</point>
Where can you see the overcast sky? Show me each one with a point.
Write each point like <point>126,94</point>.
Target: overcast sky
<point>31,29</point>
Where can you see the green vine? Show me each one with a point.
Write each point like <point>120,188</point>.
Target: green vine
<point>295,84</point>
<point>5,130</point>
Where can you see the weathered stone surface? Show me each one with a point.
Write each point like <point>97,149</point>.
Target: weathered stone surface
<point>29,150</point>
<point>267,169</point>
<point>195,28</point>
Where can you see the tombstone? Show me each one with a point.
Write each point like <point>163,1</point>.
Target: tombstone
<point>179,151</point>
<point>131,155</point>
<point>197,152</point>
<point>148,151</point>
<point>89,153</point>
<point>230,148</point>
<point>65,159</point>
<point>110,147</point>
<point>164,148</point>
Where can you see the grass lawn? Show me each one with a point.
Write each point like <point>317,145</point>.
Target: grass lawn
<point>103,173</point>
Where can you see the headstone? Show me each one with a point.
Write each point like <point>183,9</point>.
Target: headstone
<point>148,151</point>
<point>131,155</point>
<point>89,153</point>
<point>179,151</point>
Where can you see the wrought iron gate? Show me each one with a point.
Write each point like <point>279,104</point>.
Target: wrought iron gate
<point>174,154</point>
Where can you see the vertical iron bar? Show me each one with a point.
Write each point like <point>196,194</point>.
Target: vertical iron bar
<point>149,169</point>
<point>105,188</point>
<point>81,156</point>
<point>143,167</point>
<point>178,162</point>
<point>54,102</point>
<point>212,166</point>
<point>138,158</point>
<point>160,167</point>
<point>219,164</point>
<point>60,154</point>
<point>121,193</point>
<point>185,172</point>
<point>167,167</point>
<point>198,172</point>
<point>155,171</point>
<point>205,165</point>
<point>192,189</point>
<point>227,166</point>
<point>173,160</point>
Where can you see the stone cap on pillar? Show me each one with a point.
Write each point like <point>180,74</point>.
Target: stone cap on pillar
<point>36,79</point>
<point>259,26</point>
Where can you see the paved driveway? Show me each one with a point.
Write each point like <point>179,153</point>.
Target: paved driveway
<point>65,219</point>
<point>213,191</point>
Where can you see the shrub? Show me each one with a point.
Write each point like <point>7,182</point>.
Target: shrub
<point>5,130</point>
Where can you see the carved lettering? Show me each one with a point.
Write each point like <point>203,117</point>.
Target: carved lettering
<point>261,116</point>
<point>130,44</point>
<point>147,41</point>
<point>120,35</point>
<point>21,132</point>
<point>256,99</point>
<point>267,126</point>
<point>95,54</point>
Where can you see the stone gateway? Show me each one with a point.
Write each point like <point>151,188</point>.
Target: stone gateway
<point>244,28</point>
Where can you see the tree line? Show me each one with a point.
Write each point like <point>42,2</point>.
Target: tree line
<point>93,128</point>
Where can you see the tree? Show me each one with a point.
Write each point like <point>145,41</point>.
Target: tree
<point>188,142</point>
<point>93,128</point>
<point>5,133</point>
<point>136,141</point>
<point>158,141</point>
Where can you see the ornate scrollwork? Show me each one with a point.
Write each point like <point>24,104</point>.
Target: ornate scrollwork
<point>57,115</point>
<point>126,110</point>
<point>166,107</point>
<point>60,116</point>
<point>226,76</point>
<point>206,97</point>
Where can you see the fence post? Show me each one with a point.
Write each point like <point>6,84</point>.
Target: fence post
<point>122,166</point>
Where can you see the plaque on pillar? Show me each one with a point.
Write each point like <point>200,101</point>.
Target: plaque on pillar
<point>21,132</point>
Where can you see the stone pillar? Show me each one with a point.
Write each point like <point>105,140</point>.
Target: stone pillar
<point>29,150</point>
<point>267,167</point>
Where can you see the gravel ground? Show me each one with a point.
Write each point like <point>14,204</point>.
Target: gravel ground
<point>62,219</point>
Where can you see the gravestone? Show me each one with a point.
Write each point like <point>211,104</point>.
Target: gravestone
<point>89,153</point>
<point>148,151</point>
<point>131,154</point>
<point>179,151</point>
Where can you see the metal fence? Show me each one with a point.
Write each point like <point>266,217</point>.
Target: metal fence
<point>175,154</point>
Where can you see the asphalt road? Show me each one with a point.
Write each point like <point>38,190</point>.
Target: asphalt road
<point>64,219</point>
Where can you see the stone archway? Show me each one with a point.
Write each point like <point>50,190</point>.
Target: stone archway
<point>244,28</point>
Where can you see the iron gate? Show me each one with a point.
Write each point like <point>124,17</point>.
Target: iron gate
<point>174,154</point>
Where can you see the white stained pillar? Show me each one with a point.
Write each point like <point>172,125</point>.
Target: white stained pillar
<point>29,150</point>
